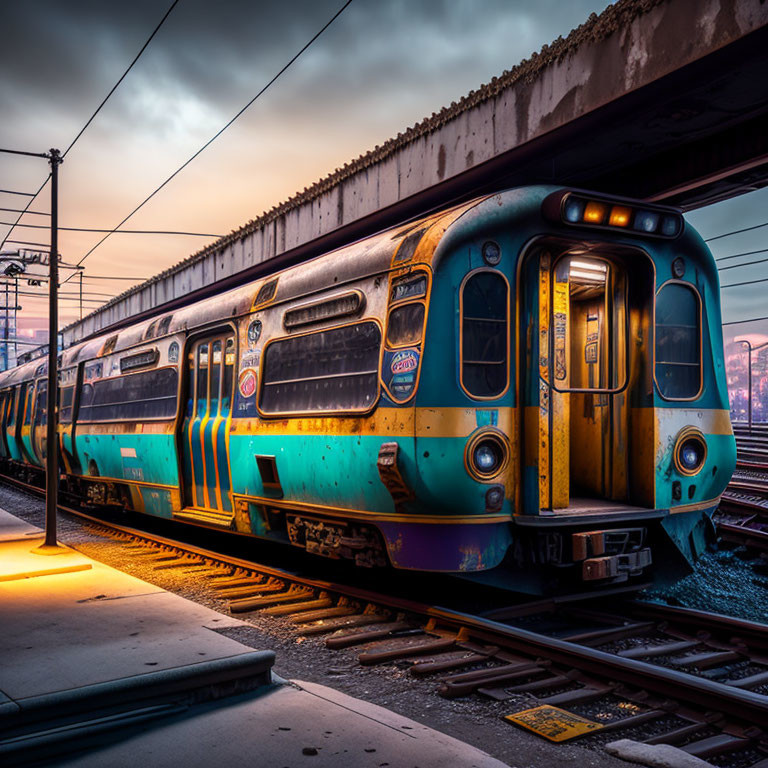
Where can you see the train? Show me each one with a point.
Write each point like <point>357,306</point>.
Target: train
<point>526,390</point>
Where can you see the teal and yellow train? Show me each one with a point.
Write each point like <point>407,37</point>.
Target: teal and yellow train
<point>526,389</point>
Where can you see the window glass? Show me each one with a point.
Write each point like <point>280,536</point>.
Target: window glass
<point>226,383</point>
<point>485,367</point>
<point>215,376</point>
<point>12,408</point>
<point>678,352</point>
<point>333,370</point>
<point>148,395</point>
<point>28,405</point>
<point>65,407</point>
<point>41,408</point>
<point>202,380</point>
<point>405,324</point>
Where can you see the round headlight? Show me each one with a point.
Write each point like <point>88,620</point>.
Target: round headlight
<point>486,454</point>
<point>690,451</point>
<point>486,457</point>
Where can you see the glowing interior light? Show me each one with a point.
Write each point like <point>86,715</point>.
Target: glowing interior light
<point>595,277</point>
<point>620,216</point>
<point>592,265</point>
<point>594,213</point>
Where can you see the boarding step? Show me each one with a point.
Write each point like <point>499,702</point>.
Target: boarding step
<point>206,516</point>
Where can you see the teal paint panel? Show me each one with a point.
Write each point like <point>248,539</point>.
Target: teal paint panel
<point>444,485</point>
<point>706,484</point>
<point>155,456</point>
<point>157,501</point>
<point>338,471</point>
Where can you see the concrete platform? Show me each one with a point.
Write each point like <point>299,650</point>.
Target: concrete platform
<point>99,668</point>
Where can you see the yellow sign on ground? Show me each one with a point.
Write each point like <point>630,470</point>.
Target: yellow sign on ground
<point>553,723</point>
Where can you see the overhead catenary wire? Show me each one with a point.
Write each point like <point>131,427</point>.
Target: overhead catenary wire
<point>218,133</point>
<point>743,253</point>
<point>745,264</point>
<point>748,320</point>
<point>14,192</point>
<point>735,232</point>
<point>91,118</point>
<point>111,231</point>
<point>746,282</point>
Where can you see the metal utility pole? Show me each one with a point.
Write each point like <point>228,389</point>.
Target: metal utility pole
<point>52,424</point>
<point>749,380</point>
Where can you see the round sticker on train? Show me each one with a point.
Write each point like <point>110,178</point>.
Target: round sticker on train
<point>405,361</point>
<point>173,352</point>
<point>247,382</point>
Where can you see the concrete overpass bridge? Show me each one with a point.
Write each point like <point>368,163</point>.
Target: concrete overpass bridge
<point>664,100</point>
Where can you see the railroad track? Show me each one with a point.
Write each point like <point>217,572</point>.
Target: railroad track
<point>742,517</point>
<point>627,669</point>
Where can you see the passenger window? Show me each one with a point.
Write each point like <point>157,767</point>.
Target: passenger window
<point>678,342</point>
<point>65,407</point>
<point>12,408</point>
<point>484,334</point>
<point>148,395</point>
<point>41,409</point>
<point>332,370</point>
<point>405,325</point>
<point>28,405</point>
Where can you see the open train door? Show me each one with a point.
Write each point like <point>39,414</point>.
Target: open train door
<point>203,432</point>
<point>585,311</point>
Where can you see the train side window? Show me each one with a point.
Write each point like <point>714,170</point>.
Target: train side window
<point>28,404</point>
<point>41,408</point>
<point>485,334</point>
<point>67,395</point>
<point>12,408</point>
<point>405,324</point>
<point>332,370</point>
<point>147,395</point>
<point>678,342</point>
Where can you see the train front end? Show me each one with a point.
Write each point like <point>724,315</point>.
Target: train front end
<point>588,356</point>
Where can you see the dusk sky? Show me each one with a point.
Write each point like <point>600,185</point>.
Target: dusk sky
<point>380,68</point>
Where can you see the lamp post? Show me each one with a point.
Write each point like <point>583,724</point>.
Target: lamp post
<point>51,546</point>
<point>749,381</point>
<point>750,350</point>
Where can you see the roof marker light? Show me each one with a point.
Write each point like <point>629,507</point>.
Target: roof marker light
<point>620,216</point>
<point>670,225</point>
<point>646,221</point>
<point>594,213</point>
<point>573,211</point>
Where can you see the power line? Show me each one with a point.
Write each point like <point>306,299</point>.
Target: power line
<point>748,320</point>
<point>735,232</point>
<point>743,253</point>
<point>745,264</point>
<point>746,282</point>
<point>13,192</point>
<point>122,77</point>
<point>111,231</point>
<point>24,210</point>
<point>216,135</point>
<point>90,119</point>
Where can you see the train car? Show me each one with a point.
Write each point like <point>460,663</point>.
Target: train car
<point>527,389</point>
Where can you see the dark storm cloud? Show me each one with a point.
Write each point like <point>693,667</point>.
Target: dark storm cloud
<point>59,59</point>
